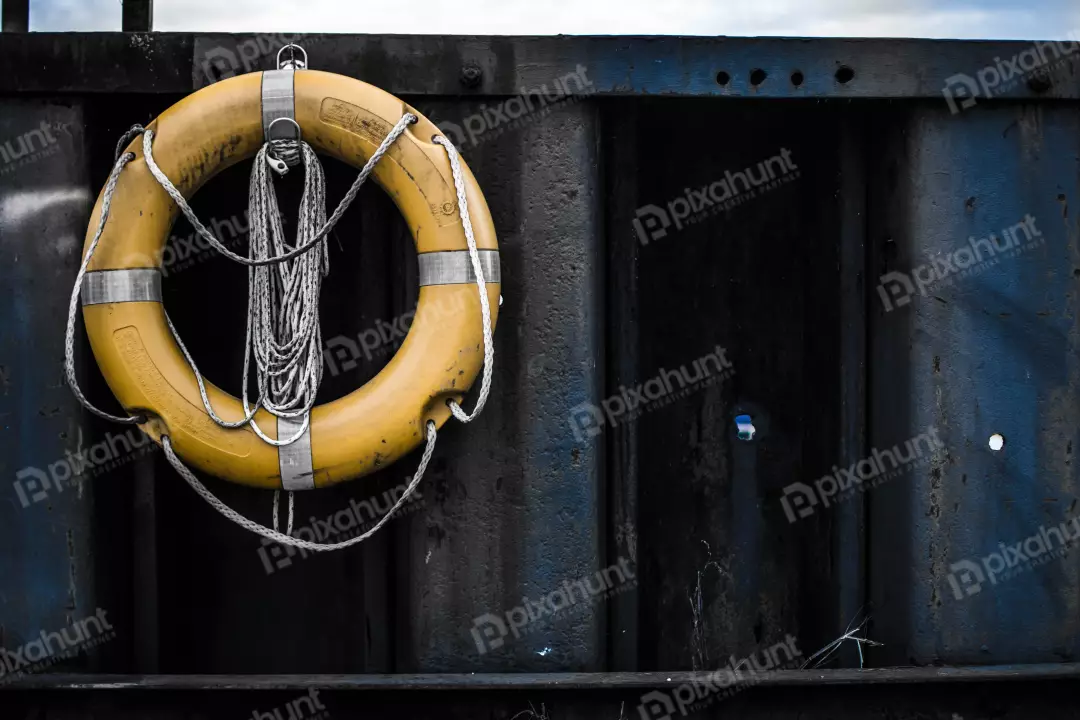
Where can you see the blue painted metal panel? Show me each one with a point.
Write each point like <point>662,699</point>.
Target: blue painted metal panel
<point>992,349</point>
<point>46,565</point>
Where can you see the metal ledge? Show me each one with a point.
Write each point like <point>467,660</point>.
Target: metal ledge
<point>432,65</point>
<point>540,681</point>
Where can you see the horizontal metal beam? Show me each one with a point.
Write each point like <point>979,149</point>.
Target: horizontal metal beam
<point>540,681</point>
<point>506,66</point>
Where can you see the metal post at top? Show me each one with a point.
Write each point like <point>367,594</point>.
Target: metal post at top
<point>138,15</point>
<point>16,16</point>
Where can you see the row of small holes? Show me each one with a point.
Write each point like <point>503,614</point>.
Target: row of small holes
<point>844,75</point>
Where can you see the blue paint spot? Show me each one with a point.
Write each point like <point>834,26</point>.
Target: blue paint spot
<point>745,426</point>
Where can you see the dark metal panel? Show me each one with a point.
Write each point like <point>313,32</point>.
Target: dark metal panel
<point>47,566</point>
<point>991,349</point>
<point>849,531</point>
<point>16,15</point>
<point>196,573</point>
<point>138,15</point>
<point>723,570</point>
<point>146,617</point>
<point>486,65</point>
<point>297,612</point>
<point>516,500</point>
<point>111,62</point>
<point>622,165</point>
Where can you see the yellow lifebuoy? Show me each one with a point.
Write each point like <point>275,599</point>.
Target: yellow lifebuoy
<point>373,426</point>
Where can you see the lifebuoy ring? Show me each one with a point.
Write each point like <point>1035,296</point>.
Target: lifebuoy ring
<point>373,426</point>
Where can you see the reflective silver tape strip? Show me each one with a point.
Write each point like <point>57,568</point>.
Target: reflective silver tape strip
<point>454,267</point>
<point>117,286</point>
<point>294,460</point>
<point>278,102</point>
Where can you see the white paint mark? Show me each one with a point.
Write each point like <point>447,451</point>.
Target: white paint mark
<point>18,207</point>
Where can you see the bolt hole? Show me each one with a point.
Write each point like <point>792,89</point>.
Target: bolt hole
<point>757,76</point>
<point>997,442</point>
<point>844,75</point>
<point>797,78</point>
<point>722,78</point>
<point>745,425</point>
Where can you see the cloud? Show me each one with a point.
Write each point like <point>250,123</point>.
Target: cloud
<point>86,15</point>
<point>995,19</point>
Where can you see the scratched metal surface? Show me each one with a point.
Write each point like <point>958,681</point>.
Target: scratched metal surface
<point>47,566</point>
<point>519,503</point>
<point>992,353</point>
<point>432,65</point>
<point>760,280</point>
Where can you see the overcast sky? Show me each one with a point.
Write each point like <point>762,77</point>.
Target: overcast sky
<point>1004,19</point>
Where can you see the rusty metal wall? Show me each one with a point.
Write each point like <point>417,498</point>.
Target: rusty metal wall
<point>779,306</point>
<point>990,349</point>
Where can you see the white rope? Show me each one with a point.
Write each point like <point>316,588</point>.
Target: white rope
<point>163,180</point>
<point>277,497</point>
<point>481,284</point>
<point>73,305</point>
<point>819,658</point>
<point>283,154</point>
<point>287,338</point>
<point>285,539</point>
